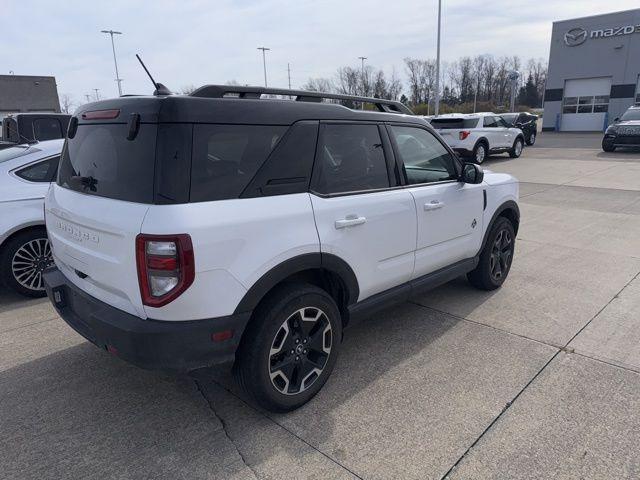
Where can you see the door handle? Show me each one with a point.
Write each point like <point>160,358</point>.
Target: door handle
<point>433,205</point>
<point>350,221</point>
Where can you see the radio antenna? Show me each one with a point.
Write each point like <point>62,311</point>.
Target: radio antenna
<point>160,89</point>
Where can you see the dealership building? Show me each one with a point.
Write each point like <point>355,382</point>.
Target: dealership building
<point>594,71</point>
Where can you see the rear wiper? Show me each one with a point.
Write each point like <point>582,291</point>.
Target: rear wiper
<point>86,183</point>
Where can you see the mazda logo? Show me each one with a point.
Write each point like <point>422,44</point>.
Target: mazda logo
<point>575,37</point>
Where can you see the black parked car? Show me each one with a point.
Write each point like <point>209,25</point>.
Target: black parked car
<point>21,128</point>
<point>527,122</point>
<point>624,132</point>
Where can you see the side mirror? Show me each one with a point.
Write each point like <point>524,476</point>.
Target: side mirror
<point>472,173</point>
<point>617,119</point>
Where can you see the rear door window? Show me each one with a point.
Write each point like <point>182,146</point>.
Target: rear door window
<point>226,157</point>
<point>99,160</point>
<point>350,158</point>
<point>490,122</point>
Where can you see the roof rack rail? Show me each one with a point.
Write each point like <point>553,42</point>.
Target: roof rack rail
<point>221,91</point>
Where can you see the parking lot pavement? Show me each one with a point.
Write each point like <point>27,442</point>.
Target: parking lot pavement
<point>539,379</point>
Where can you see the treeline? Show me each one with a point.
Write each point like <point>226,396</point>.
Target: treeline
<point>482,81</point>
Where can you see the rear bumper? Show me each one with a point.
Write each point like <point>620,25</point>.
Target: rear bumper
<point>465,152</point>
<point>178,346</point>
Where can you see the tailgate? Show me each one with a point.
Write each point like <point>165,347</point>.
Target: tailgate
<point>93,244</point>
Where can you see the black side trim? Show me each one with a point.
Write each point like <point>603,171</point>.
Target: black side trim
<point>508,205</point>
<point>627,90</point>
<point>553,94</point>
<point>402,293</point>
<point>484,199</point>
<point>295,265</point>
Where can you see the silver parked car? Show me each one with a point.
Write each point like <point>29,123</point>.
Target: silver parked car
<point>25,174</point>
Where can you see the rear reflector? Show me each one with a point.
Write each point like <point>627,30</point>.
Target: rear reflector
<point>101,114</point>
<point>165,267</point>
<point>222,336</point>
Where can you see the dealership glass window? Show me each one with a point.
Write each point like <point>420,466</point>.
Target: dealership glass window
<point>570,105</point>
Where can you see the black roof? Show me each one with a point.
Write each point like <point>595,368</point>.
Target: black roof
<point>257,111</point>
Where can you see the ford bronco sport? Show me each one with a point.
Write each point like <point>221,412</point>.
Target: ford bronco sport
<point>223,226</point>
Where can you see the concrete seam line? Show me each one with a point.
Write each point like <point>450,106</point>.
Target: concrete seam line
<point>224,429</point>
<point>2,332</point>
<point>509,404</point>
<point>475,322</point>
<point>284,428</point>
<point>504,409</point>
<point>611,363</point>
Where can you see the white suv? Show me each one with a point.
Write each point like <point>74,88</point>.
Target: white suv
<point>478,135</point>
<point>220,226</point>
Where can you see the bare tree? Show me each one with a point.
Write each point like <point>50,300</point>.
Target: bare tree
<point>319,85</point>
<point>188,89</point>
<point>66,103</point>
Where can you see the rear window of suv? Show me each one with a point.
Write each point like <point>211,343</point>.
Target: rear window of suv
<point>226,157</point>
<point>454,123</point>
<point>99,160</point>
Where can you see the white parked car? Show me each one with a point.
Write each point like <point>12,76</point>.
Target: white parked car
<point>26,172</point>
<point>479,135</point>
<point>221,226</point>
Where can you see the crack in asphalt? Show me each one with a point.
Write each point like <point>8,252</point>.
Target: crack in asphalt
<point>225,430</point>
<point>565,348</point>
<point>271,419</point>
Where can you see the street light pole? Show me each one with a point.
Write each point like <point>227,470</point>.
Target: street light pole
<point>437,105</point>
<point>264,63</point>
<point>362,59</point>
<point>113,48</point>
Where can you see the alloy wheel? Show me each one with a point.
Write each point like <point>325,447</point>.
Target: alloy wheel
<point>501,255</point>
<point>532,139</point>
<point>30,261</point>
<point>300,350</point>
<point>480,154</point>
<point>518,148</point>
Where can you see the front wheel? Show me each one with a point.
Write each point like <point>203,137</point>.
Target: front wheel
<point>532,139</point>
<point>516,149</point>
<point>289,348</point>
<point>23,260</point>
<point>496,257</point>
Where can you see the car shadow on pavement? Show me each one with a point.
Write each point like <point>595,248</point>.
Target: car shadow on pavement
<point>80,413</point>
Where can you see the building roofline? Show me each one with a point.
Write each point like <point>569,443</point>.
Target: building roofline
<point>637,10</point>
<point>32,77</point>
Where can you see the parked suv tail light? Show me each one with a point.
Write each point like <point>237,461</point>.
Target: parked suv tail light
<point>165,267</point>
<point>464,134</point>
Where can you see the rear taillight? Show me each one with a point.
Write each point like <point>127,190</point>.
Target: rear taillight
<point>165,267</point>
<point>464,134</point>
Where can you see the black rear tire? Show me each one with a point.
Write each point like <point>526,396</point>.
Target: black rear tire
<point>489,275</point>
<point>480,153</point>
<point>278,351</point>
<point>23,259</point>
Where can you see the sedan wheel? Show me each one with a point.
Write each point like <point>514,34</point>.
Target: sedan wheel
<point>24,259</point>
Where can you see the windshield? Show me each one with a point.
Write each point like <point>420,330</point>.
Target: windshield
<point>631,115</point>
<point>454,123</point>
<point>15,152</point>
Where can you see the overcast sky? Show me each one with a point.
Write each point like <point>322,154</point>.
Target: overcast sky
<point>194,42</point>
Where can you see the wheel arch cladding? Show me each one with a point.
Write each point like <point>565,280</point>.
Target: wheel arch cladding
<point>508,210</point>
<point>324,270</point>
<point>482,140</point>
<point>21,230</point>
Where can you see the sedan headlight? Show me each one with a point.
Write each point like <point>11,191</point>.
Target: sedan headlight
<point>611,130</point>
